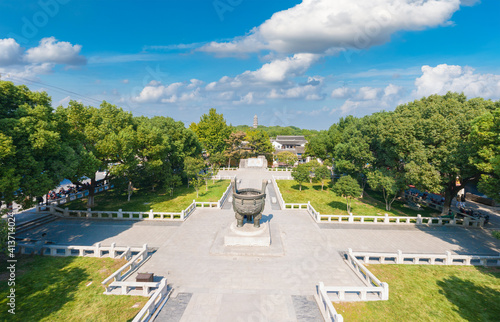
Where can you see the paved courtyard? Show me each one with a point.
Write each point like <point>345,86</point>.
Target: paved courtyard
<point>254,286</point>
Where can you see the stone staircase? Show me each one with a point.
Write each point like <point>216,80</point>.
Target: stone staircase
<point>31,224</point>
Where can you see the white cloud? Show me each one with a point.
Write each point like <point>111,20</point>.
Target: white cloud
<point>444,78</point>
<point>155,92</point>
<point>52,51</point>
<point>326,26</point>
<point>343,92</point>
<point>368,93</point>
<point>280,69</point>
<point>10,52</point>
<point>125,81</point>
<point>371,99</point>
<point>308,91</point>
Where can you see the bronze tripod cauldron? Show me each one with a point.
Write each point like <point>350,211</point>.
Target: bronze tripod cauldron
<point>249,203</point>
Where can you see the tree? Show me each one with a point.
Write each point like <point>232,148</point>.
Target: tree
<point>197,183</point>
<point>172,182</point>
<point>233,150</point>
<point>348,187</point>
<point>429,141</point>
<point>217,159</point>
<point>486,136</point>
<point>161,146</point>
<point>259,143</point>
<point>35,155</point>
<point>287,158</point>
<point>352,153</point>
<point>300,174</point>
<point>193,167</point>
<point>321,174</point>
<point>319,146</point>
<point>386,182</point>
<point>212,131</point>
<point>103,138</point>
<point>312,166</point>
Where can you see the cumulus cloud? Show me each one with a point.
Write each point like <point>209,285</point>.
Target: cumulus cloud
<point>370,98</point>
<point>53,51</point>
<point>444,78</point>
<point>15,62</point>
<point>343,92</point>
<point>326,27</point>
<point>10,52</point>
<point>308,91</point>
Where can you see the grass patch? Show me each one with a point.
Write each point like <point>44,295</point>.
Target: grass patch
<point>431,293</point>
<point>55,289</point>
<point>145,200</point>
<point>328,203</point>
<point>496,234</point>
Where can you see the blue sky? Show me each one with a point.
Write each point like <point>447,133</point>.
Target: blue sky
<point>302,63</point>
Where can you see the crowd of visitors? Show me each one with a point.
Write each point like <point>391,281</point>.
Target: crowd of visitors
<point>69,190</point>
<point>439,200</point>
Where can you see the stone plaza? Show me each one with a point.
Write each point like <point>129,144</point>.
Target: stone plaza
<point>214,282</point>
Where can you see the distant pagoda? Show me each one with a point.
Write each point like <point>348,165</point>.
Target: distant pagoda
<point>255,121</point>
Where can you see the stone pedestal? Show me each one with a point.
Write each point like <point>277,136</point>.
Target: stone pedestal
<point>248,235</point>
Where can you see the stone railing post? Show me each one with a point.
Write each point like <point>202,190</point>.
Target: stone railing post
<point>120,214</point>
<point>399,257</point>
<point>385,291</point>
<point>466,221</point>
<point>66,212</point>
<point>448,260</point>
<point>419,219</point>
<point>386,219</point>
<point>97,251</point>
<point>481,222</point>
<point>112,252</point>
<point>182,214</point>
<point>89,214</point>
<point>151,215</point>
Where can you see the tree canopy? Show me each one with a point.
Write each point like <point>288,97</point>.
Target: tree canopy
<point>212,131</point>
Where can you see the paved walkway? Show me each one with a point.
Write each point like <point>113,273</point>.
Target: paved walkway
<point>253,286</point>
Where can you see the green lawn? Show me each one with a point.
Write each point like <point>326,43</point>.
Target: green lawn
<point>145,200</point>
<point>328,203</point>
<point>431,293</point>
<point>57,289</point>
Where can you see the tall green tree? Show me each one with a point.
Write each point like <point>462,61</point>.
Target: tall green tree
<point>390,184</point>
<point>347,187</point>
<point>300,174</point>
<point>321,174</point>
<point>319,146</point>
<point>486,136</point>
<point>429,140</point>
<point>34,155</point>
<point>192,167</point>
<point>104,139</point>
<point>233,150</point>
<point>212,131</point>
<point>259,142</point>
<point>312,166</point>
<point>287,158</point>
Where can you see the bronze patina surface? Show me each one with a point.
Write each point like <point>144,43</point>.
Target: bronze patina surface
<point>249,203</point>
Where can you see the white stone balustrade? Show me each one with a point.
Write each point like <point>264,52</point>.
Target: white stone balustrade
<point>92,251</point>
<point>160,296</point>
<point>326,306</point>
<point>126,269</point>
<point>430,259</point>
